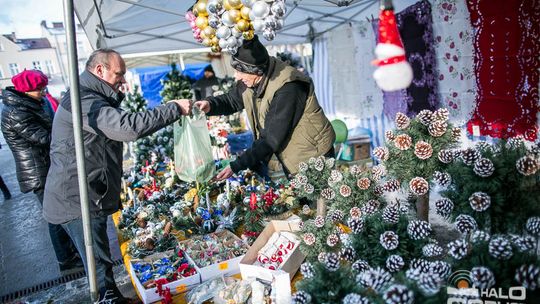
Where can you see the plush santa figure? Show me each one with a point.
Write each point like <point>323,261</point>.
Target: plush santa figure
<point>393,72</point>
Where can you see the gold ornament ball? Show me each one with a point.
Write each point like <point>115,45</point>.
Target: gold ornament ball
<point>248,35</point>
<point>244,12</point>
<point>242,25</point>
<point>209,32</point>
<point>203,35</point>
<point>215,49</point>
<point>207,42</point>
<point>215,40</point>
<point>236,4</point>
<point>235,15</point>
<point>201,22</point>
<point>201,8</point>
<point>226,5</point>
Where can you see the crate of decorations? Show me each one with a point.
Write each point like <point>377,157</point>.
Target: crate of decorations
<point>216,253</point>
<point>161,275</point>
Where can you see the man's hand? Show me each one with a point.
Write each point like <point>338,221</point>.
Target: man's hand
<point>185,105</point>
<point>224,174</point>
<point>204,105</point>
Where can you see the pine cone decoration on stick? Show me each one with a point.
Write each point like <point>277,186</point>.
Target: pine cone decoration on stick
<point>331,261</point>
<point>301,297</point>
<point>354,298</point>
<point>527,165</point>
<point>403,142</point>
<point>423,150</point>
<point>469,156</point>
<point>432,250</point>
<point>444,207</point>
<point>356,225</point>
<point>347,254</point>
<point>355,212</point>
<point>419,186</point>
<point>500,248</point>
<point>394,263</point>
<point>442,178</point>
<point>370,207</point>
<point>332,240</point>
<point>446,156</point>
<point>363,183</point>
<point>458,249</point>
<point>418,229</point>
<point>456,134</point>
<point>307,270</point>
<point>360,266</point>
<point>465,224</point>
<point>437,128</point>
<point>484,167</point>
<point>441,114</point>
<point>391,214</point>
<point>378,171</point>
<point>533,225</point>
<point>389,240</point>
<point>425,117</point>
<point>402,121</point>
<point>392,185</point>
<point>479,201</point>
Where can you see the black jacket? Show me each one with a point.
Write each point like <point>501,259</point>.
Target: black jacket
<point>27,130</point>
<point>105,127</point>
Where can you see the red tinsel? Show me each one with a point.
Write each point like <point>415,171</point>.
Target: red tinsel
<point>164,293</point>
<point>270,197</point>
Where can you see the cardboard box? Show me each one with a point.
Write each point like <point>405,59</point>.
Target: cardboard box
<point>150,295</point>
<point>291,265</point>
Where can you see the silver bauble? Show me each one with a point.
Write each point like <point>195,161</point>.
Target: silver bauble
<point>279,24</point>
<point>231,51</point>
<point>214,6</point>
<point>258,25</point>
<point>248,3</point>
<point>236,33</point>
<point>232,42</point>
<point>278,9</point>
<point>214,21</point>
<point>269,34</point>
<point>223,32</point>
<point>260,9</point>
<point>270,22</point>
<point>227,19</point>
<point>223,43</point>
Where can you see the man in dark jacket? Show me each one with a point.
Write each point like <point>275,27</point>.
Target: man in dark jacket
<point>105,127</point>
<point>203,86</point>
<point>27,130</point>
<point>282,109</point>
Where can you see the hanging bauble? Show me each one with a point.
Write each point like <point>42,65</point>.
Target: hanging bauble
<point>214,6</point>
<point>200,7</point>
<point>214,21</point>
<point>227,20</point>
<point>279,24</point>
<point>235,15</point>
<point>270,22</point>
<point>278,9</point>
<point>235,4</point>
<point>223,43</point>
<point>210,32</point>
<point>232,50</point>
<point>232,42</point>
<point>260,9</point>
<point>248,3</point>
<point>258,25</point>
<point>226,5</point>
<point>207,41</point>
<point>248,35</point>
<point>236,33</point>
<point>215,49</point>
<point>215,40</point>
<point>269,34</point>
<point>244,12</point>
<point>201,22</point>
<point>202,34</point>
<point>223,32</point>
<point>242,25</point>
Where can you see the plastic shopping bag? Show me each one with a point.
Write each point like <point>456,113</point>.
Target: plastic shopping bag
<point>192,149</point>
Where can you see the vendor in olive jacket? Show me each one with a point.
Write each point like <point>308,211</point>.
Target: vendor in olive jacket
<point>105,127</point>
<point>282,109</point>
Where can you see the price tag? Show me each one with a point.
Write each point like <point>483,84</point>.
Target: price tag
<point>476,130</point>
<point>223,266</point>
<point>181,288</point>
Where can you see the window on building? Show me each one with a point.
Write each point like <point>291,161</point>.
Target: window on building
<point>36,65</point>
<point>49,66</point>
<point>14,69</point>
<point>2,73</point>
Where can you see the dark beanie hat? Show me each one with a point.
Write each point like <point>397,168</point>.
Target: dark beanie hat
<point>209,68</point>
<point>252,57</point>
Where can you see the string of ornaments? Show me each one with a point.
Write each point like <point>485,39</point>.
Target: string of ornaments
<point>223,25</point>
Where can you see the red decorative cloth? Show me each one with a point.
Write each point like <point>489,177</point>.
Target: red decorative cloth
<point>507,44</point>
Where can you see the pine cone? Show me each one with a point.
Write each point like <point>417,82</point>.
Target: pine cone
<point>456,134</point>
<point>479,236</point>
<point>301,297</point>
<point>418,229</point>
<point>356,225</point>
<point>429,284</point>
<point>375,278</point>
<point>402,121</point>
<point>432,250</point>
<point>469,156</point>
<point>398,294</point>
<point>345,191</point>
<point>423,150</point>
<point>425,117</point>
<point>360,266</point>
<point>318,221</point>
<point>389,240</point>
<point>394,263</point>
<point>483,167</point>
<point>389,135</point>
<point>465,224</point>
<point>303,167</point>
<point>392,185</point>
<point>528,276</point>
<point>321,257</point>
<point>307,270</point>
<point>378,171</point>
<point>527,165</point>
<point>335,177</point>
<point>442,178</point>
<point>403,142</point>
<point>500,248</point>
<point>354,298</point>
<point>378,190</point>
<point>363,183</point>
<point>301,179</point>
<point>330,162</point>
<point>355,170</point>
<point>444,207</point>
<point>446,156</point>
<point>533,225</point>
<point>347,254</point>
<point>480,201</point>
<point>458,249</point>
<point>319,164</point>
<point>309,238</point>
<point>514,143</point>
<point>441,114</point>
<point>335,216</point>
<point>332,240</point>
<point>370,207</point>
<point>421,264</point>
<point>440,268</point>
<point>355,212</point>
<point>482,277</point>
<point>381,153</point>
<point>331,261</point>
<point>391,214</point>
<point>419,186</point>
<point>328,194</point>
<point>437,128</point>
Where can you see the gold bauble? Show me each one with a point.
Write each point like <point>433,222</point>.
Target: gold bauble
<point>226,5</point>
<point>209,32</point>
<point>244,12</point>
<point>248,35</point>
<point>203,35</point>
<point>201,8</point>
<point>235,15</point>
<point>236,4</point>
<point>242,25</point>
<point>215,40</point>
<point>207,42</point>
<point>215,49</point>
<point>201,22</point>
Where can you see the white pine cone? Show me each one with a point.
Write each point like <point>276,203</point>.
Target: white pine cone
<point>335,177</point>
<point>355,170</point>
<point>483,167</point>
<point>533,225</point>
<point>465,224</point>
<point>381,153</point>
<point>360,266</point>
<point>331,261</point>
<point>398,294</point>
<point>389,135</point>
<point>429,284</point>
<point>419,186</point>
<point>403,142</point>
<point>500,248</point>
<point>309,239</point>
<point>437,128</point>
<point>319,164</point>
<point>479,236</point>
<point>423,150</point>
<point>514,143</point>
<point>441,114</point>
<point>301,297</point>
<point>303,167</point>
<point>363,183</point>
<point>456,134</point>
<point>391,214</point>
<point>321,257</point>
<point>528,276</point>
<point>444,207</point>
<point>389,240</point>
<point>440,268</point>
<point>418,229</point>
<point>446,156</point>
<point>354,298</point>
<point>332,240</point>
<point>432,250</point>
<point>307,270</point>
<point>335,216</point>
<point>425,117</point>
<point>356,225</point>
<point>301,179</point>
<point>527,165</point>
<point>480,201</point>
<point>330,162</point>
<point>318,221</point>
<point>345,191</point>
<point>392,185</point>
<point>328,194</point>
<point>469,156</point>
<point>458,249</point>
<point>375,278</point>
<point>394,263</point>
<point>442,178</point>
<point>355,212</point>
<point>378,190</point>
<point>308,188</point>
<point>421,264</point>
<point>370,207</point>
<point>524,243</point>
<point>378,171</point>
<point>402,121</point>
<point>347,254</point>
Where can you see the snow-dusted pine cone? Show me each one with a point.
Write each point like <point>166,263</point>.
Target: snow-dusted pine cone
<point>442,178</point>
<point>421,264</point>
<point>419,186</point>
<point>398,294</point>
<point>500,248</point>
<point>389,240</point>
<point>479,236</point>
<point>378,190</point>
<point>318,221</point>
<point>480,201</point>
<point>533,225</point>
<point>441,114</point>
<point>360,266</point>
<point>425,117</point>
<point>335,177</point>
<point>303,167</point>
<point>335,215</point>
<point>381,153</point>
<point>482,277</point>
<point>378,171</point>
<point>319,164</point>
<point>354,298</point>
<point>391,214</point>
<point>321,257</point>
<point>440,268</point>
<point>423,150</point>
<point>446,156</point>
<point>402,121</point>
<point>456,134</point>
<point>301,297</point>
<point>484,167</point>
<point>523,243</point>
<point>527,165</point>
<point>332,240</point>
<point>429,284</point>
<point>309,238</point>
<point>437,128</point>
<point>403,142</point>
<point>465,224</point>
<point>458,249</point>
<point>331,261</point>
<point>308,188</point>
<point>470,156</point>
<point>389,135</point>
<point>301,179</point>
<point>356,224</point>
<point>370,207</point>
<point>347,254</point>
<point>307,270</point>
<point>444,207</point>
<point>528,276</point>
<point>375,278</point>
<point>392,185</point>
<point>418,229</point>
<point>355,212</point>
<point>328,194</point>
<point>394,263</point>
<point>363,183</point>
<point>330,162</point>
<point>514,143</point>
<point>355,170</point>
<point>432,250</point>
<point>345,191</point>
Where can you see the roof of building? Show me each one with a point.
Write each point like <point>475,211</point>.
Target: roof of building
<point>30,43</point>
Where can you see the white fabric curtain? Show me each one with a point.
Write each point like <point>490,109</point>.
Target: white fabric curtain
<point>321,77</point>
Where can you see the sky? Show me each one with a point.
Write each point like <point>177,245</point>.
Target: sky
<point>24,16</point>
